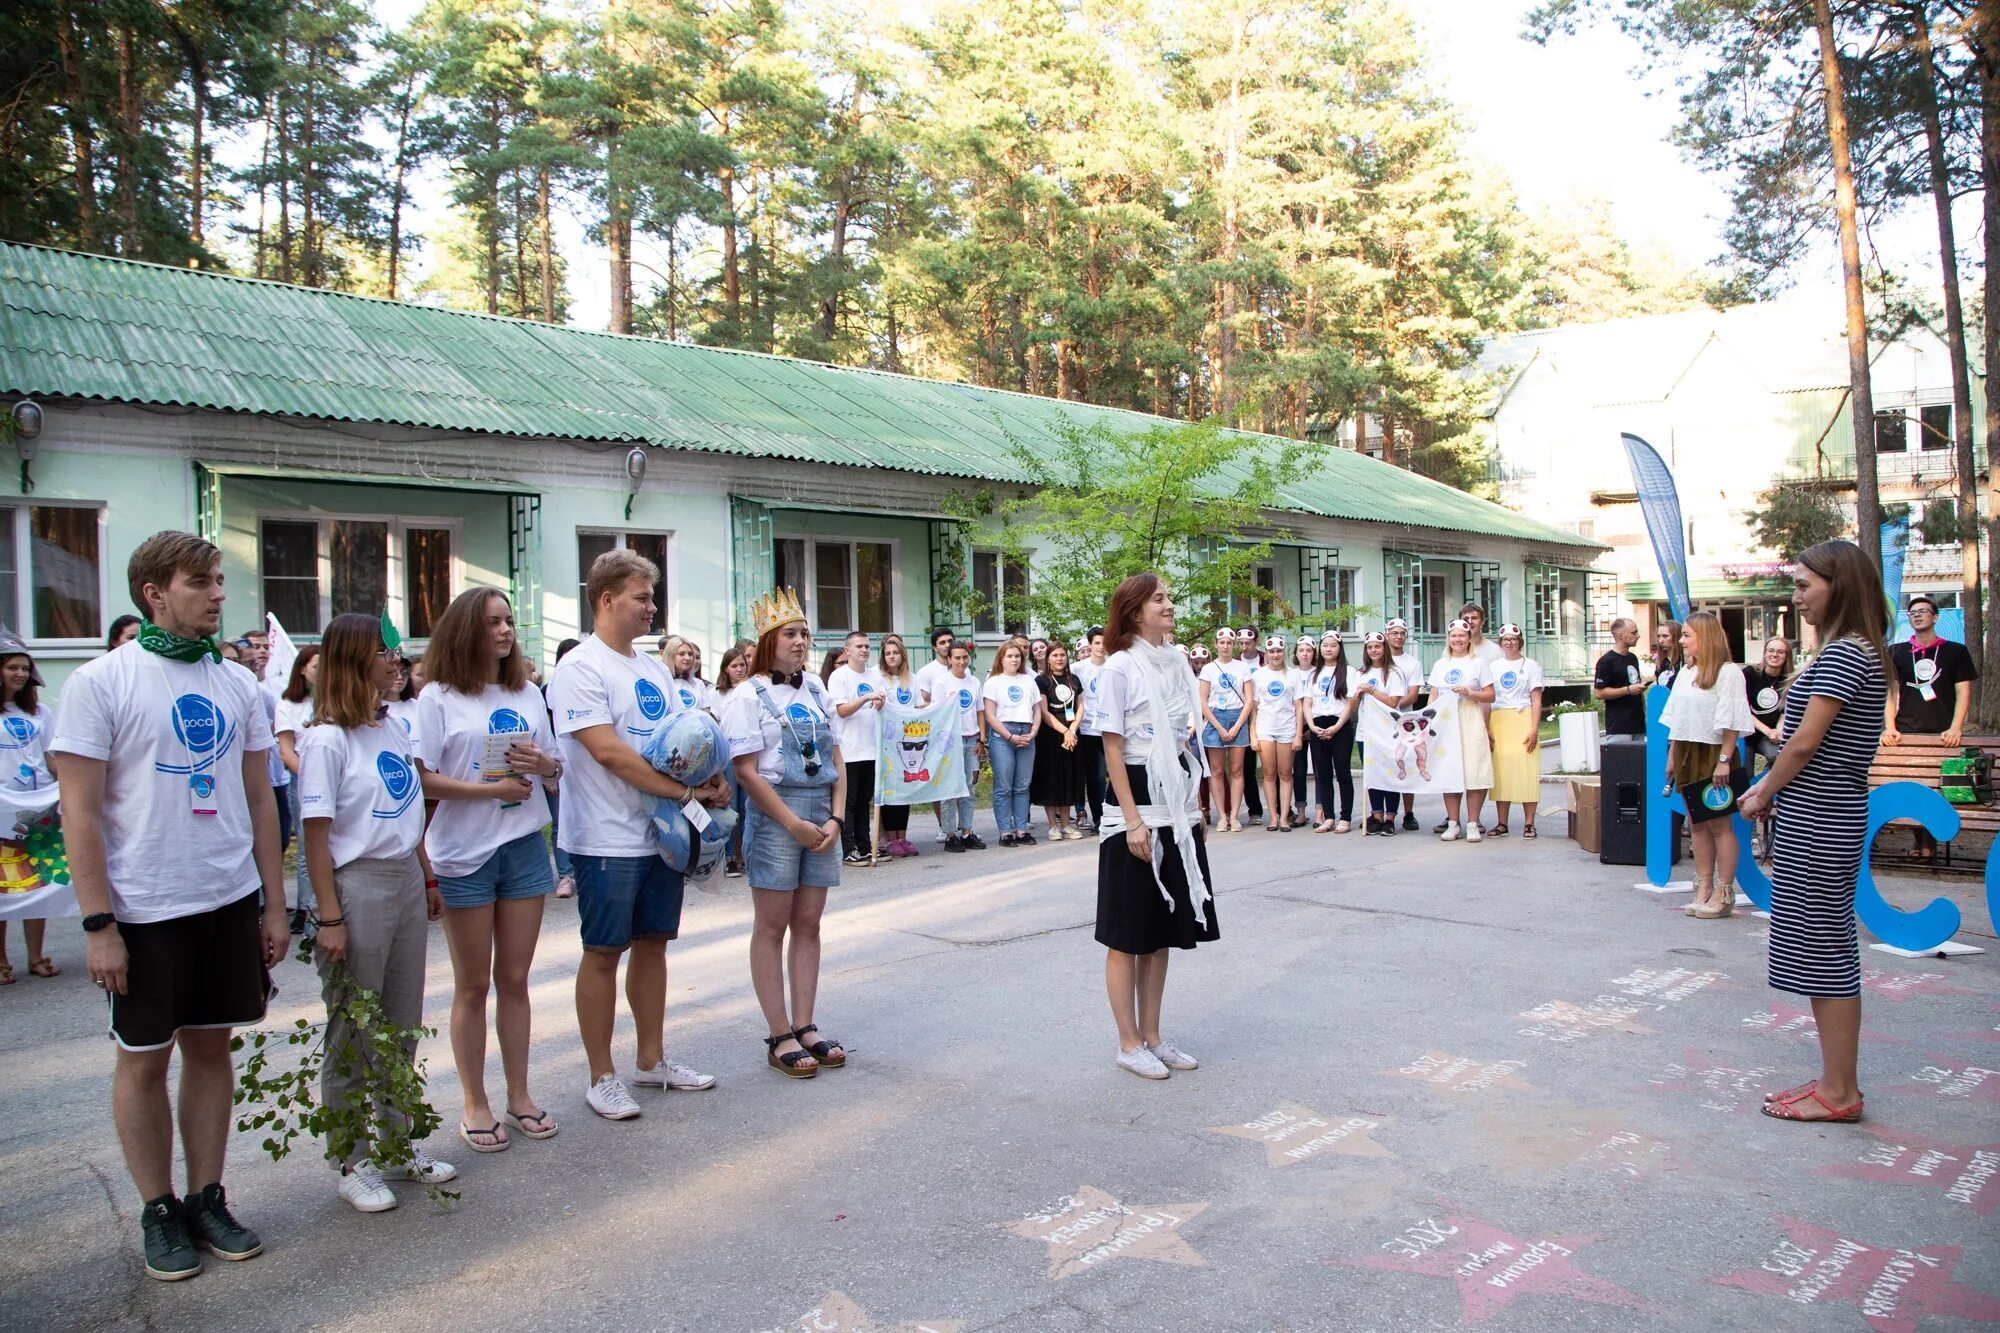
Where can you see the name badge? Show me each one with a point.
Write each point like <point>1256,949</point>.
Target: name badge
<point>697,814</point>
<point>1927,691</point>
<point>201,794</point>
<point>1926,670</point>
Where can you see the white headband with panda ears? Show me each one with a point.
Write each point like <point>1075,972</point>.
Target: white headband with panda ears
<point>1511,631</point>
<point>1375,636</point>
<point>1458,625</point>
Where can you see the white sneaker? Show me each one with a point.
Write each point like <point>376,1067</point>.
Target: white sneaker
<point>667,1074</point>
<point>1143,1063</point>
<point>361,1185</point>
<point>1452,832</point>
<point>422,1168</point>
<point>609,1099</point>
<point>1473,833</point>
<point>941,836</point>
<point>1173,1057</point>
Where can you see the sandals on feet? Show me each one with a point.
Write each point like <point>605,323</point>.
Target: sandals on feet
<point>1497,831</point>
<point>6,974</point>
<point>43,967</point>
<point>536,1125</point>
<point>792,1064</point>
<point>496,1137</point>
<point>1528,831</point>
<point>823,1049</point>
<point>1787,1109</point>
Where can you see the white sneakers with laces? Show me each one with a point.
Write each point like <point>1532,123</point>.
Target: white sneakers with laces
<point>667,1074</point>
<point>1452,831</point>
<point>422,1168</point>
<point>1473,833</point>
<point>1173,1057</point>
<point>609,1099</point>
<point>361,1185</point>
<point>1142,1062</point>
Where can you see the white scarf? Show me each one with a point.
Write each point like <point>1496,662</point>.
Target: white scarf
<point>1170,703</point>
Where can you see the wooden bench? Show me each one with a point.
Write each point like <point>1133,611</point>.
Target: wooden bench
<point>1916,759</point>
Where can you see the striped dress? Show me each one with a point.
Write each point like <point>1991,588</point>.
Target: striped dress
<point>1820,827</point>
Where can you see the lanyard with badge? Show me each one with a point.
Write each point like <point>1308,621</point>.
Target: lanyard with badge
<point>1925,668</point>
<point>201,786</point>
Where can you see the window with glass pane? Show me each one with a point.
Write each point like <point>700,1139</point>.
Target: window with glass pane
<point>426,578</point>
<point>1435,600</point>
<point>653,545</point>
<point>833,586</point>
<point>10,574</point>
<point>1014,578</point>
<point>1340,591</point>
<point>358,551</point>
<point>1892,433</point>
<point>589,545</point>
<point>63,559</point>
<point>290,571</point>
<point>1936,431</point>
<point>791,561</point>
<point>986,591</point>
<point>874,593</point>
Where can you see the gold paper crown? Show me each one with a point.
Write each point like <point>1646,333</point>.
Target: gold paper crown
<point>778,607</point>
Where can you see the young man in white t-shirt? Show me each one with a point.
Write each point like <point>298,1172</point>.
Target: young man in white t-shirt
<point>172,835</point>
<point>859,694</point>
<point>605,699</point>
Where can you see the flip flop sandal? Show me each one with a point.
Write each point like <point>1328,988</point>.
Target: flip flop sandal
<point>6,975</point>
<point>1529,832</point>
<point>1835,1115</point>
<point>822,1050</point>
<point>492,1132</point>
<point>537,1126</point>
<point>792,1064</point>
<point>1497,831</point>
<point>44,967</point>
<point>1792,1094</point>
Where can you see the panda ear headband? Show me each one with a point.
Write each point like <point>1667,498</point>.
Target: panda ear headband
<point>1457,625</point>
<point>1374,636</point>
<point>1511,631</point>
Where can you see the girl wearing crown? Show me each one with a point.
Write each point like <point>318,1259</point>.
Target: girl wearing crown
<point>780,729</point>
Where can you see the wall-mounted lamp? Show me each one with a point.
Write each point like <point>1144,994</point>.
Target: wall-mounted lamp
<point>26,428</point>
<point>637,475</point>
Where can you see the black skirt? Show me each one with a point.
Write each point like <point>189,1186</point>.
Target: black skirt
<point>1058,776</point>
<point>1132,917</point>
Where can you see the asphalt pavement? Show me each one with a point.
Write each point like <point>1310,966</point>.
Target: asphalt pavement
<point>1440,1086</point>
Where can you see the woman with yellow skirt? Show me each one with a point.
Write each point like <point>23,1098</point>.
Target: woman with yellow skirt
<point>1515,724</point>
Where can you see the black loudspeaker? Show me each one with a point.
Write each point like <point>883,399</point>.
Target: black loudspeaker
<point>1622,803</point>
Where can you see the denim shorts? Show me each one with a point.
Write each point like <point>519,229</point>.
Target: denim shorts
<point>624,898</point>
<point>1211,739</point>
<point>773,858</point>
<point>517,869</point>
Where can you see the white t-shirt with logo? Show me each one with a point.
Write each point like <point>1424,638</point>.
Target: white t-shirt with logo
<point>903,693</point>
<point>860,732</point>
<point>1086,673</point>
<point>1486,650</point>
<point>1277,702</point>
<point>1225,684</point>
<point>966,689</point>
<point>1451,672</point>
<point>693,693</point>
<point>633,695</point>
<point>752,730</point>
<point>365,781</point>
<point>1515,682</point>
<point>1393,682</point>
<point>24,743</point>
<point>292,717</point>
<point>161,726</point>
<point>1320,702</point>
<point>403,712</point>
<point>930,677</point>
<point>1412,669</point>
<point>1014,697</point>
<point>452,728</point>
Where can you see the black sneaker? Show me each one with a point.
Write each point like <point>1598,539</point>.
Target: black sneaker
<point>1439,829</point>
<point>1409,822</point>
<point>1025,840</point>
<point>298,921</point>
<point>209,1220</point>
<point>953,843</point>
<point>734,870</point>
<point>855,858</point>
<point>974,841</point>
<point>170,1252</point>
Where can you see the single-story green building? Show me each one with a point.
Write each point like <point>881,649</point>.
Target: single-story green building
<point>349,453</point>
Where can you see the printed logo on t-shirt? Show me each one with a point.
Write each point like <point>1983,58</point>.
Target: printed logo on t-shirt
<point>1767,699</point>
<point>202,730</point>
<point>965,699</point>
<point>1509,679</point>
<point>652,703</point>
<point>1325,686</point>
<point>1275,688</point>
<point>801,716</point>
<point>903,696</point>
<point>1631,675</point>
<point>687,697</point>
<point>398,781</point>
<point>863,687</point>
<point>1013,694</point>
<point>501,721</point>
<point>20,730</point>
<point>1453,676</point>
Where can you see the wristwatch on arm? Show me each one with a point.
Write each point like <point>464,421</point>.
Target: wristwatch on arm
<point>97,921</point>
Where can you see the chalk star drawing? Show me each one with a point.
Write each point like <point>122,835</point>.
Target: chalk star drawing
<point>1724,1089</point>
<point>838,1313</point>
<point>1573,1136</point>
<point>1293,1134</point>
<point>1456,1073</point>
<point>1493,1267</point>
<point>1968,1173</point>
<point>1090,1227</point>
<point>1785,1020</point>
<point>1563,1022</point>
<point>1887,985</point>
<point>1892,1287</point>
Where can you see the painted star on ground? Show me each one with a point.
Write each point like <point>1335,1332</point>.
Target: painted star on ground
<point>1090,1228</point>
<point>1293,1134</point>
<point>1786,1020</point>
<point>1563,1021</point>
<point>838,1313</point>
<point>1892,1287</point>
<point>1886,985</point>
<point>1967,1083</point>
<point>1493,1268</point>
<point>1563,1136</point>
<point>1722,1088</point>
<point>1968,1173</point>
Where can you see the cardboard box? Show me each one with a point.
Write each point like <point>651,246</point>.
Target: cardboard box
<point>1585,815</point>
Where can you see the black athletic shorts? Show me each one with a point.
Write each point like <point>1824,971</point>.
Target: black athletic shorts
<point>200,971</point>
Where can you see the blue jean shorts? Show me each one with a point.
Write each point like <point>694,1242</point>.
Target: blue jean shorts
<point>517,869</point>
<point>773,858</point>
<point>1211,739</point>
<point>624,898</point>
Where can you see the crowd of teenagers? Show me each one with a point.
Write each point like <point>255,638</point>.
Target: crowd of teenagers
<point>420,793</point>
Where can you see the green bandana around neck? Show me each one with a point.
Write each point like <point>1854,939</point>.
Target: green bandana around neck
<point>165,643</point>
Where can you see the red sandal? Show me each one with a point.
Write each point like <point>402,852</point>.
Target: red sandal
<point>1835,1115</point>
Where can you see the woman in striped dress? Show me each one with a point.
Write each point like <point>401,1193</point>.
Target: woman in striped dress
<point>1818,789</point>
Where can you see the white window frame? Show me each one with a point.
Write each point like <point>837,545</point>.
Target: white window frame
<point>24,573</point>
<point>398,525</point>
<point>1353,598</point>
<point>809,595</point>
<point>667,580</point>
<point>1001,564</point>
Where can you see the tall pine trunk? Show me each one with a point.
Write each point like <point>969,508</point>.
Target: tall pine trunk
<point>1861,397</point>
<point>1985,41</point>
<point>545,226</point>
<point>1225,343</point>
<point>732,277</point>
<point>1954,332</point>
<point>282,114</point>
<point>129,126</point>
<point>308,187</point>
<point>618,242</point>
<point>400,191</point>
<point>76,110</point>
<point>198,116</point>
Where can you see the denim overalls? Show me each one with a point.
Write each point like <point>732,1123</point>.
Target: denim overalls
<point>773,857</point>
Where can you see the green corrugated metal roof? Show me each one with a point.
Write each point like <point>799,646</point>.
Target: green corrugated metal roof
<point>88,326</point>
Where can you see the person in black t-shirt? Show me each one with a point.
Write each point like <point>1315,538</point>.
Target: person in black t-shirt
<point>1766,684</point>
<point>1618,683</point>
<point>1935,678</point>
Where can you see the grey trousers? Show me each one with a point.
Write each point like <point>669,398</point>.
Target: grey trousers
<point>388,931</point>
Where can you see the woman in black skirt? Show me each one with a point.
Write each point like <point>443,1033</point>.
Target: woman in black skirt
<point>1152,866</point>
<point>1057,784</point>
<point>1818,791</point>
